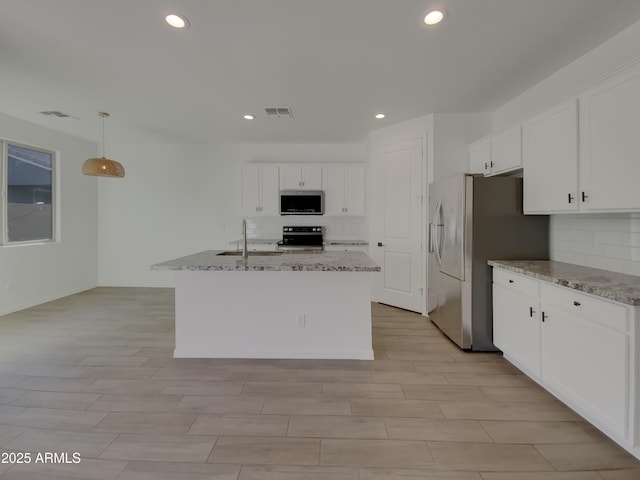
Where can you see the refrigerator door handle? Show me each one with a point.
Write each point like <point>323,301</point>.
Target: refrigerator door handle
<point>437,227</point>
<point>430,248</point>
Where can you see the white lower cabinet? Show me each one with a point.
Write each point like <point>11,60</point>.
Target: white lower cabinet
<point>581,348</point>
<point>587,366</point>
<point>517,328</point>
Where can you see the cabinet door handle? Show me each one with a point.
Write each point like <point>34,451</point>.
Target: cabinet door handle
<point>544,316</point>
<point>570,197</point>
<point>577,304</point>
<point>584,196</point>
<point>492,164</point>
<point>531,312</point>
<point>380,244</point>
<point>486,166</point>
<point>510,281</point>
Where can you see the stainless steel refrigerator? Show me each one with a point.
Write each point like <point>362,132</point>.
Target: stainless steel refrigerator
<point>473,219</point>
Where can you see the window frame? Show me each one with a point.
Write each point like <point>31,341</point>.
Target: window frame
<point>4,187</point>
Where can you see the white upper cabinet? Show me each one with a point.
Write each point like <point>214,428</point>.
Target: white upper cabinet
<point>506,151</point>
<point>500,153</point>
<point>344,187</point>
<point>480,156</point>
<point>550,160</point>
<point>610,144</point>
<point>300,177</point>
<point>260,190</point>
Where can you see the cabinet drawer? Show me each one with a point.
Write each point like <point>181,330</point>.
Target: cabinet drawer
<point>586,306</point>
<point>515,281</point>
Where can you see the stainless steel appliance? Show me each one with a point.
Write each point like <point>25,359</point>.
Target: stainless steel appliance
<point>309,238</point>
<point>473,219</point>
<point>301,202</point>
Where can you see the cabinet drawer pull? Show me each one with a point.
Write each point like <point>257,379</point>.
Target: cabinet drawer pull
<point>577,304</point>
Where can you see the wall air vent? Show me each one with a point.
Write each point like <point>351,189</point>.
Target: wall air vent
<point>279,112</point>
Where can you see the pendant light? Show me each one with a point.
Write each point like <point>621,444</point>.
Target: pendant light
<point>102,167</point>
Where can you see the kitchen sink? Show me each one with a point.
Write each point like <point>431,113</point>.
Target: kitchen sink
<point>238,253</point>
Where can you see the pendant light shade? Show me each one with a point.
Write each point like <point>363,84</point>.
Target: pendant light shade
<point>102,167</point>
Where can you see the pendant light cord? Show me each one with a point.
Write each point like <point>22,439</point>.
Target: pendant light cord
<point>103,145</point>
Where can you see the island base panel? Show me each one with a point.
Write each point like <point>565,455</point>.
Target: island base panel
<point>282,314</point>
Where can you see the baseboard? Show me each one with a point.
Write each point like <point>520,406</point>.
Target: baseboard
<point>276,354</point>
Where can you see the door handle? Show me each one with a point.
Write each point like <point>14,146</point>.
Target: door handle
<point>380,244</point>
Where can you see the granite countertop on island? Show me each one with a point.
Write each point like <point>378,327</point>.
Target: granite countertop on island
<point>346,242</point>
<point>323,261</point>
<point>275,241</point>
<point>257,241</point>
<point>618,287</point>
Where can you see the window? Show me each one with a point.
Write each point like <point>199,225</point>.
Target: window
<point>28,193</point>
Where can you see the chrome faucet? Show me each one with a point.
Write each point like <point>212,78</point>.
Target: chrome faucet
<point>245,251</point>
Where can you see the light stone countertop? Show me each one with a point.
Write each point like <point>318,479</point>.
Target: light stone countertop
<point>274,241</point>
<point>257,241</point>
<point>288,261</point>
<point>618,287</point>
<point>346,242</point>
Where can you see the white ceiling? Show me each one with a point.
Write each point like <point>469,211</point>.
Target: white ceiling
<point>335,63</point>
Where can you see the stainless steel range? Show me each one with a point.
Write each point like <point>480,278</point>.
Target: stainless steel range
<point>302,238</point>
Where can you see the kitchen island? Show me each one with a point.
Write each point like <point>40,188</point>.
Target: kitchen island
<point>273,305</point>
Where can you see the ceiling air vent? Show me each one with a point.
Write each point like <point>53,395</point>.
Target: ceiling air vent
<point>56,113</point>
<point>278,112</point>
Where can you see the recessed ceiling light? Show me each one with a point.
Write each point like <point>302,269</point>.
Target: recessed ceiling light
<point>380,116</point>
<point>248,117</point>
<point>177,21</point>
<point>433,17</point>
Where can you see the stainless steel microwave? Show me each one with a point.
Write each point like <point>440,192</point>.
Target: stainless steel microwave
<point>301,202</point>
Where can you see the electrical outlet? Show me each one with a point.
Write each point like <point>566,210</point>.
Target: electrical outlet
<point>302,320</point>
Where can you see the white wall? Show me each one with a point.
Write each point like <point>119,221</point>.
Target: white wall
<point>608,241</point>
<point>180,199</point>
<point>618,51</point>
<point>452,134</point>
<point>33,274</point>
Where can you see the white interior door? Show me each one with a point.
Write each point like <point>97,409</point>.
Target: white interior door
<point>398,218</point>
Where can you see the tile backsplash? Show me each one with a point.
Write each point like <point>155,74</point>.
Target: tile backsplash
<point>608,241</point>
<point>336,228</point>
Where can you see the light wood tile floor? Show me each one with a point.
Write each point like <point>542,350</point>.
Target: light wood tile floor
<point>93,373</point>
